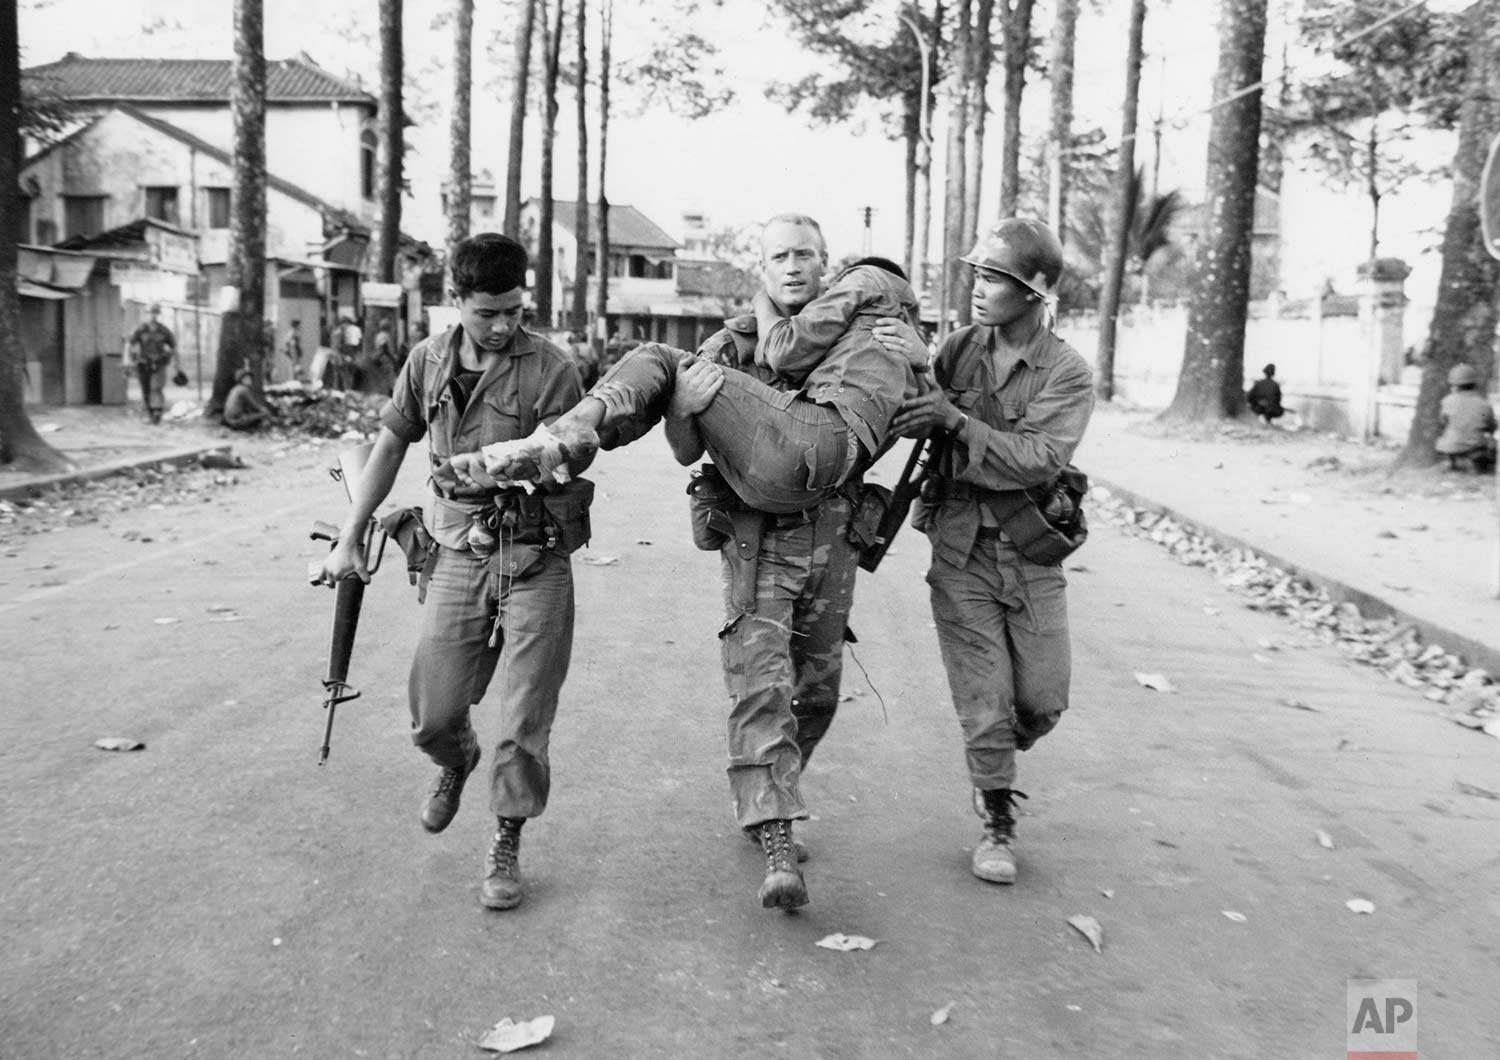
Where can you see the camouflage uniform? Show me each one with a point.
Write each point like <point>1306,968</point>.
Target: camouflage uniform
<point>514,607</point>
<point>783,655</point>
<point>153,346</point>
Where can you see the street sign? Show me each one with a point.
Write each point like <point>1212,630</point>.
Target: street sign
<point>380,295</point>
<point>172,251</point>
<point>1489,201</point>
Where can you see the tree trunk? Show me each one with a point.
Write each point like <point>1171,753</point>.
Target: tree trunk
<point>1463,321</point>
<point>578,318</point>
<point>242,338</point>
<point>552,24</point>
<point>910,137</point>
<point>21,448</point>
<point>981,48</point>
<point>922,193</point>
<point>1210,385</point>
<point>521,78</point>
<point>388,177</point>
<point>460,164</point>
<point>601,246</point>
<point>1123,214</point>
<point>953,206</point>
<point>1017,45</point>
<point>1060,128</point>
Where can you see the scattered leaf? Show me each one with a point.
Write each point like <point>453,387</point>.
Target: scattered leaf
<point>1258,657</point>
<point>1107,893</point>
<point>1360,905</point>
<point>507,1036</point>
<point>119,743</point>
<point>940,1017</point>
<point>1296,704</point>
<point>1238,918</point>
<point>1155,682</point>
<point>1090,929</point>
<point>1477,792</point>
<point>600,561</point>
<point>844,943</point>
<point>220,608</point>
<point>1210,610</point>
<point>165,621</point>
<point>642,541</point>
<point>1385,533</point>
<point>1079,568</point>
<point>1324,839</point>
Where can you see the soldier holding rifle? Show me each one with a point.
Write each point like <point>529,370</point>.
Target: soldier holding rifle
<point>497,577</point>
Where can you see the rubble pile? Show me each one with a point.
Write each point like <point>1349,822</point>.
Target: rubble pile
<point>84,502</point>
<point>1387,644</point>
<point>341,414</point>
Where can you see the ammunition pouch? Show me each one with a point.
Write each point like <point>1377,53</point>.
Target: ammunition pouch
<point>1045,523</point>
<point>557,519</point>
<point>517,562</point>
<point>710,501</point>
<point>406,528</point>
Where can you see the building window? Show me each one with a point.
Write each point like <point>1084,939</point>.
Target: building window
<point>83,215</point>
<point>161,204</point>
<point>367,164</point>
<point>218,207</point>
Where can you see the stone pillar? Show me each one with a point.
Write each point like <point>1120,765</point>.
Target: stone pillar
<point>1382,311</point>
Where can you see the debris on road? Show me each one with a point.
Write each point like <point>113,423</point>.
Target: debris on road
<point>1090,929</point>
<point>1389,645</point>
<point>940,1017</point>
<point>1238,918</point>
<point>1360,905</point>
<point>507,1036</point>
<point>1155,682</point>
<point>119,743</point>
<point>845,943</point>
<point>600,561</point>
<point>1324,839</point>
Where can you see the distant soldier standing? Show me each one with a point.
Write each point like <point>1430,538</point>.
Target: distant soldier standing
<point>153,349</point>
<point>1013,405</point>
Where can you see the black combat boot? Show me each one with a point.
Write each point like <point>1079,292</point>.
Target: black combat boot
<point>994,857</point>
<point>783,887</point>
<point>798,847</point>
<point>502,868</point>
<point>442,804</point>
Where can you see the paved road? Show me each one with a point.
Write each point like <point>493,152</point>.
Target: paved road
<point>218,895</point>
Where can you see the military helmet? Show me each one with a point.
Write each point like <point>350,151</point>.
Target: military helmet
<point>1022,249</point>
<point>1462,375</point>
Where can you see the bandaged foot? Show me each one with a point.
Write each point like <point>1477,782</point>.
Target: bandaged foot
<point>542,456</point>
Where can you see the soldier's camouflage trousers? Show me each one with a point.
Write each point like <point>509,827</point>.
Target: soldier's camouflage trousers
<point>783,663</point>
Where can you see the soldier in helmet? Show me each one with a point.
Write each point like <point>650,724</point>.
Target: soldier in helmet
<point>1011,405</point>
<point>1468,421</point>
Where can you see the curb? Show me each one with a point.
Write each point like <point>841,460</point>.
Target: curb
<point>1473,652</point>
<point>34,487</point>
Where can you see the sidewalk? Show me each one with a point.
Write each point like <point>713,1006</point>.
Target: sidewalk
<point>101,440</point>
<point>1418,544</point>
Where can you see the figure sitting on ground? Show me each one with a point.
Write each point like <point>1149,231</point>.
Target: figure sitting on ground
<point>243,408</point>
<point>1264,397</point>
<point>1468,422</point>
<point>780,451</point>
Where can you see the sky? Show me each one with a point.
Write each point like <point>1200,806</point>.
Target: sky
<point>740,165</point>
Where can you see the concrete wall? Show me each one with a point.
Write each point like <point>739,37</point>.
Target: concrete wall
<point>1315,358</point>
<point>118,157</point>
<point>315,146</point>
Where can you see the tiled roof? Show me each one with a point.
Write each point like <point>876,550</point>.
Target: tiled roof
<point>628,227</point>
<point>80,79</point>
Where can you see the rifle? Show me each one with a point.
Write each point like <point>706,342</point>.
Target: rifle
<point>350,592</point>
<point>908,486</point>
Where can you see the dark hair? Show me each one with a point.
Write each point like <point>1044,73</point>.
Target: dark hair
<point>880,263</point>
<point>488,262</point>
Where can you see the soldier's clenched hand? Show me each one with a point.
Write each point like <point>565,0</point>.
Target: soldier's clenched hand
<point>697,383</point>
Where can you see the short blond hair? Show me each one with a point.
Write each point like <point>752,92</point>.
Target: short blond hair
<point>802,220</point>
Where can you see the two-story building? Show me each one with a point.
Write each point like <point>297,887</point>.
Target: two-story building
<point>151,152</point>
<point>651,298</point>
